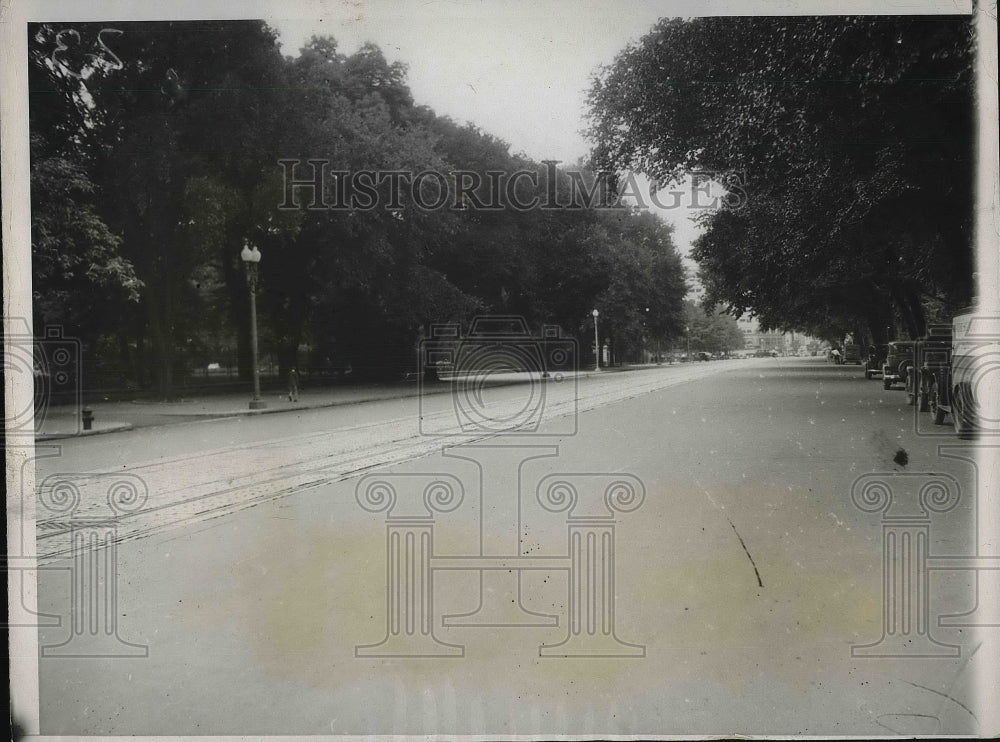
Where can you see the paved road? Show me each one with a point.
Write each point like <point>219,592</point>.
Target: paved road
<point>738,576</point>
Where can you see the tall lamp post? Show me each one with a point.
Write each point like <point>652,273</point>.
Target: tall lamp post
<point>656,343</point>
<point>645,340</point>
<point>251,259</point>
<point>597,344</point>
<point>687,329</point>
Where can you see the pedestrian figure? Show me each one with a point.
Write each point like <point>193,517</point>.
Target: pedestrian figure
<point>293,385</point>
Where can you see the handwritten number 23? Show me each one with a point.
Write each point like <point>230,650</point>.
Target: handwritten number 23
<point>104,52</point>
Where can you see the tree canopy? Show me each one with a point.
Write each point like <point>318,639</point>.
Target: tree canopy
<point>852,139</point>
<point>158,152</point>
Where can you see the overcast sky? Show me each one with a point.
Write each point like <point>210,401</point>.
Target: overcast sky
<point>519,70</point>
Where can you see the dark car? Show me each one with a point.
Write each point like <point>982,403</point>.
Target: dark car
<point>898,361</point>
<point>875,359</point>
<point>852,354</point>
<point>932,378</point>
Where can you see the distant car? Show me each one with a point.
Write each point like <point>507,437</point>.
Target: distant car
<point>704,355</point>
<point>852,354</point>
<point>898,362</point>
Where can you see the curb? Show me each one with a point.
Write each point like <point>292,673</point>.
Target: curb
<point>444,388</point>
<point>110,428</point>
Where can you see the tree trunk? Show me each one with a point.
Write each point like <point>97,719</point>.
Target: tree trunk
<point>125,357</point>
<point>142,377</point>
<point>903,305</point>
<point>161,351</point>
<point>880,319</point>
<point>912,293</point>
<point>288,356</point>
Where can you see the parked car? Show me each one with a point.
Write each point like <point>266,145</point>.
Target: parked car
<point>875,359</point>
<point>932,374</point>
<point>852,354</point>
<point>975,346</point>
<point>898,360</point>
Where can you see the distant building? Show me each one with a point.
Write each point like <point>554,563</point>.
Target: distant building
<point>755,339</point>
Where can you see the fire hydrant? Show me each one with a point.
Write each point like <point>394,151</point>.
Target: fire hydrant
<point>87,415</point>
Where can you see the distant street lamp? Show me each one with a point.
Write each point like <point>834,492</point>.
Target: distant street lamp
<point>687,329</point>
<point>251,259</point>
<point>597,344</point>
<point>656,344</point>
<point>645,340</point>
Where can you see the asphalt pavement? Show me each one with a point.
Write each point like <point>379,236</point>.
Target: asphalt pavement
<point>668,552</point>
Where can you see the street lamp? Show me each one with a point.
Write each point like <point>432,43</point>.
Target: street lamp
<point>597,344</point>
<point>687,329</point>
<point>251,259</point>
<point>645,341</point>
<point>656,344</point>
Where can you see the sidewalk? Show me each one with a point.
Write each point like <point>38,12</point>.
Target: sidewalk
<point>109,417</point>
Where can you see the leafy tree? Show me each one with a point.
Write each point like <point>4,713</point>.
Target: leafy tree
<point>169,160</point>
<point>76,262</point>
<point>80,276</point>
<point>169,108</point>
<point>711,330</point>
<point>853,139</point>
<point>372,276</point>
